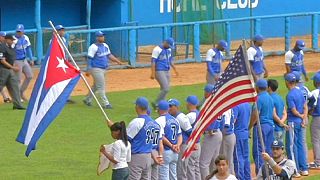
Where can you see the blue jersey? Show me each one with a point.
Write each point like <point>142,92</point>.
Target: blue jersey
<point>23,47</point>
<point>98,56</point>
<point>279,106</point>
<point>171,130</point>
<point>265,108</point>
<point>242,114</point>
<point>185,125</point>
<point>216,125</point>
<point>296,100</point>
<point>162,58</point>
<point>193,118</point>
<point>296,63</point>
<point>305,91</point>
<point>214,58</point>
<point>143,134</point>
<point>255,57</point>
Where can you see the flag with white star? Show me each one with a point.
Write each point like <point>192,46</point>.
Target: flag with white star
<point>56,80</point>
<point>235,86</point>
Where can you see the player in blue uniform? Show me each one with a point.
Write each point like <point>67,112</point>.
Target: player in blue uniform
<point>265,109</point>
<point>186,128</point>
<point>172,140</point>
<point>242,114</point>
<point>193,169</point>
<point>256,58</point>
<point>297,111</point>
<point>99,55</point>
<point>143,133</point>
<point>214,60</point>
<point>280,116</point>
<point>294,59</point>
<point>162,60</point>
<point>23,51</point>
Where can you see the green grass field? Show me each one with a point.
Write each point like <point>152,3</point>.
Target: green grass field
<point>69,148</point>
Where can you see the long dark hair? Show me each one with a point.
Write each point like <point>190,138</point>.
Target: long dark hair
<point>121,126</point>
<point>221,157</point>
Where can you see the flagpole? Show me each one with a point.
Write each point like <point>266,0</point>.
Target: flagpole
<point>81,75</point>
<point>244,49</point>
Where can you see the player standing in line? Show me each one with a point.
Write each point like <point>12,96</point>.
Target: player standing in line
<point>193,170</point>
<point>186,129</point>
<point>265,110</point>
<point>214,60</point>
<point>307,95</point>
<point>280,116</point>
<point>256,58</point>
<point>228,138</point>
<point>23,50</point>
<point>143,132</point>
<point>242,114</point>
<point>278,166</point>
<point>315,124</point>
<point>4,94</point>
<point>162,60</point>
<point>294,59</point>
<point>98,61</point>
<point>157,156</point>
<point>172,140</point>
<point>297,111</point>
<point>211,142</point>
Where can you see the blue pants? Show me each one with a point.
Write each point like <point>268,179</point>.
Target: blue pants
<point>267,134</point>
<point>241,159</point>
<point>294,146</point>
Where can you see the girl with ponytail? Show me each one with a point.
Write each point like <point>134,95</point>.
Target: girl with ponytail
<point>121,151</point>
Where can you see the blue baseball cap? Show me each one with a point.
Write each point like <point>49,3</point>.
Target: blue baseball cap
<point>142,102</point>
<point>290,77</point>
<point>192,100</point>
<point>209,88</point>
<point>170,41</point>
<point>277,144</point>
<point>316,77</point>
<point>223,44</point>
<point>297,75</point>
<point>20,28</point>
<point>59,27</point>
<point>163,105</point>
<point>3,34</point>
<point>99,33</point>
<point>258,37</point>
<point>300,44</point>
<point>262,83</point>
<point>173,102</point>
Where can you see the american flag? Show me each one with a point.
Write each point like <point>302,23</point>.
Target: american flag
<point>235,86</point>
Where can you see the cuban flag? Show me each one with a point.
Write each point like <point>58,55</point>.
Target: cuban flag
<point>54,84</point>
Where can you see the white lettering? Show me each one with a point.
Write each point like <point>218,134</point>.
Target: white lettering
<point>222,6</point>
<point>161,6</point>
<point>254,4</point>
<point>228,4</point>
<point>244,4</point>
<point>231,6</point>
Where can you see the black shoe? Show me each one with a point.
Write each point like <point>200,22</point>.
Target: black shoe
<point>18,108</point>
<point>7,100</point>
<point>69,101</point>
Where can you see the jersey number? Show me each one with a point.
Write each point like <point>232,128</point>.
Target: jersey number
<point>173,128</point>
<point>152,136</point>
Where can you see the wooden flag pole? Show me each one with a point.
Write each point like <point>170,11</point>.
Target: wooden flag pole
<point>255,104</point>
<point>81,75</point>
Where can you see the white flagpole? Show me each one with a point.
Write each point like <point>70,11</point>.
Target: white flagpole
<point>81,75</point>
<point>244,49</point>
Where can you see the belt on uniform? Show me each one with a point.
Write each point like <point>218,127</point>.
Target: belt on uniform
<point>211,132</point>
<point>21,59</point>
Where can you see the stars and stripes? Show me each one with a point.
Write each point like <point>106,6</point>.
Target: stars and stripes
<point>234,87</point>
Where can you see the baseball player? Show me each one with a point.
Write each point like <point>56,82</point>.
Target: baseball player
<point>157,156</point>
<point>256,58</point>
<point>265,110</point>
<point>278,166</point>
<point>228,138</point>
<point>98,61</point>
<point>214,60</point>
<point>186,129</point>
<point>172,140</point>
<point>193,169</point>
<point>211,142</point>
<point>23,50</point>
<point>162,60</point>
<point>4,94</point>
<point>315,124</point>
<point>143,133</point>
<point>297,111</point>
<point>281,113</point>
<point>242,113</point>
<point>294,59</point>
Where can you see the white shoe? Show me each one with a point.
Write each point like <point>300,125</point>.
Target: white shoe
<point>296,175</point>
<point>22,100</point>
<point>304,173</point>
